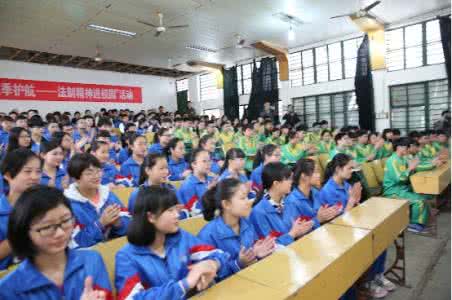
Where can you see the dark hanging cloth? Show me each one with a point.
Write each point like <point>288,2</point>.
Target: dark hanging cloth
<point>182,99</point>
<point>364,87</point>
<point>444,26</point>
<point>231,94</point>
<point>264,88</point>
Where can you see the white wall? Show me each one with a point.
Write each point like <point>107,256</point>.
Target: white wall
<point>155,90</point>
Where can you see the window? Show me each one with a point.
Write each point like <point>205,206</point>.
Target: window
<point>216,112</point>
<point>208,86</point>
<point>242,108</point>
<point>414,46</point>
<point>331,62</point>
<point>244,77</point>
<point>338,109</point>
<point>182,85</point>
<point>417,106</point>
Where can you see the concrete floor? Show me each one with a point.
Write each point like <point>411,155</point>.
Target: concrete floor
<point>428,264</point>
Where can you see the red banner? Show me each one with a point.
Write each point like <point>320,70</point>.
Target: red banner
<point>18,89</point>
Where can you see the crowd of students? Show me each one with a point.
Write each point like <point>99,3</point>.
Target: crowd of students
<point>252,181</point>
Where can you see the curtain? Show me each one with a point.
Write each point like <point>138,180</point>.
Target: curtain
<point>364,87</point>
<point>444,25</point>
<point>230,95</point>
<point>182,99</point>
<point>264,88</point>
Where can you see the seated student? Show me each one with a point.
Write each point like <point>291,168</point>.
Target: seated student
<point>227,209</point>
<point>179,169</point>
<point>292,151</point>
<point>125,151</point>
<point>7,125</point>
<point>226,136</point>
<point>81,135</point>
<point>154,171</point>
<point>326,143</point>
<point>274,137</point>
<point>36,126</point>
<point>186,134</point>
<point>100,150</point>
<point>130,169</point>
<point>386,150</point>
<point>66,143</point>
<point>207,142</point>
<point>19,137</point>
<point>249,144</point>
<point>299,204</point>
<point>40,229</point>
<point>267,213</point>
<point>396,184</point>
<point>99,214</point>
<point>162,261</point>
<point>442,141</point>
<point>105,123</point>
<point>196,184</point>
<point>343,145</point>
<point>90,126</point>
<point>21,169</point>
<point>364,151</point>
<point>267,154</point>
<point>51,128</point>
<point>413,153</point>
<point>52,173</point>
<point>161,140</point>
<point>105,136</point>
<point>234,166</point>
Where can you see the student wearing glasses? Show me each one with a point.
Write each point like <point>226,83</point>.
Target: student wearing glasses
<point>40,229</point>
<point>99,213</point>
<point>18,138</point>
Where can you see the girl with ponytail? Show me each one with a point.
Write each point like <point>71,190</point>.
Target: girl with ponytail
<point>300,202</point>
<point>227,208</point>
<point>267,214</point>
<point>267,154</point>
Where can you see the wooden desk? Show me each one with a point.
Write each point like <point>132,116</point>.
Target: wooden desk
<point>321,265</point>
<point>385,218</point>
<point>432,182</point>
<point>237,288</point>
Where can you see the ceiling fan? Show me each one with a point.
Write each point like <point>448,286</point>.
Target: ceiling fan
<point>160,28</point>
<point>362,13</point>
<point>239,44</point>
<point>98,57</point>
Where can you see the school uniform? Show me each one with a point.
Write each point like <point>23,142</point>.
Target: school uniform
<point>226,140</point>
<point>256,178</point>
<point>333,194</point>
<point>298,205</point>
<point>249,147</point>
<point>214,166</point>
<point>291,154</point>
<point>28,283</point>
<point>176,168</point>
<point>267,219</point>
<point>155,148</point>
<point>5,210</point>
<point>325,147</point>
<point>142,274</point>
<point>130,168</point>
<point>396,184</point>
<point>191,192</point>
<point>227,174</point>
<point>363,151</point>
<point>134,194</point>
<point>35,147</point>
<point>384,151</point>
<point>221,235</point>
<point>4,137</point>
<point>122,156</point>
<point>59,176</point>
<point>109,174</point>
<point>88,230</point>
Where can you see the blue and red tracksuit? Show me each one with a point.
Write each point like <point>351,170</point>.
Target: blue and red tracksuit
<point>109,174</point>
<point>28,283</point>
<point>297,205</point>
<point>5,210</point>
<point>130,168</point>
<point>176,168</point>
<point>142,274</point>
<point>256,178</point>
<point>60,174</point>
<point>191,192</point>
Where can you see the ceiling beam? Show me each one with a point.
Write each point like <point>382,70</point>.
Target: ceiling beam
<point>52,58</point>
<point>82,62</point>
<point>69,60</point>
<point>34,56</point>
<point>281,54</point>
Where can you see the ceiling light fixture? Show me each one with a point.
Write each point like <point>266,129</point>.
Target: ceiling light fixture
<point>111,30</point>
<point>200,48</point>
<point>291,34</point>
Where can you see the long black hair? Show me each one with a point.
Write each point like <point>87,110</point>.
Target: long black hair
<point>304,166</point>
<point>158,134</point>
<point>262,153</point>
<point>152,199</point>
<point>13,140</point>
<point>171,146</point>
<point>211,201</point>
<point>339,160</point>
<point>275,171</point>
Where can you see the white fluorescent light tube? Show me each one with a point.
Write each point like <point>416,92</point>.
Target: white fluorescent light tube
<point>111,30</point>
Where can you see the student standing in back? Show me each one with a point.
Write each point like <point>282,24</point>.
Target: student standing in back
<point>39,232</point>
<point>267,214</point>
<point>227,208</point>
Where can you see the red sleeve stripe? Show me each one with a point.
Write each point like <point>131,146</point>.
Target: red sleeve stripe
<point>108,293</point>
<point>131,287</point>
<point>199,248</point>
<point>191,202</point>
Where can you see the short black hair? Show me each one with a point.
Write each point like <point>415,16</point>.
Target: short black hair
<point>15,160</point>
<point>35,121</point>
<point>104,121</point>
<point>34,203</point>
<point>103,133</point>
<point>339,136</point>
<point>80,162</point>
<point>153,199</point>
<point>47,146</point>
<point>402,142</point>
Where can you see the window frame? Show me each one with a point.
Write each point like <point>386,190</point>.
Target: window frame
<point>209,86</point>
